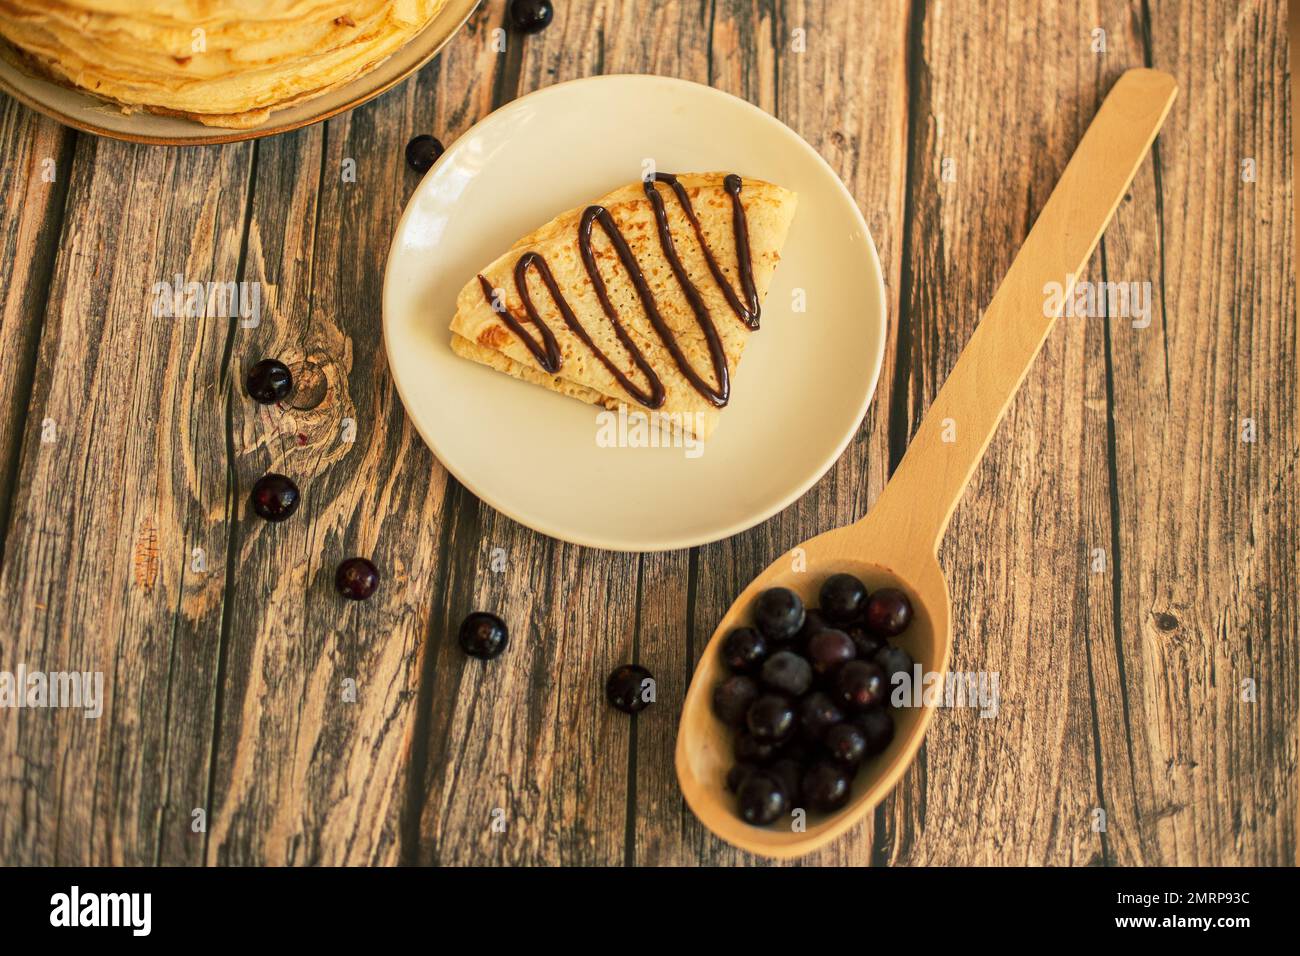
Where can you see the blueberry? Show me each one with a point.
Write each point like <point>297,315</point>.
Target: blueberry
<point>866,643</point>
<point>356,579</point>
<point>843,598</point>
<point>483,635</point>
<point>761,798</point>
<point>788,771</point>
<point>847,744</point>
<point>817,714</point>
<point>826,787</point>
<point>530,16</point>
<point>744,650</point>
<point>787,672</point>
<point>422,152</point>
<point>736,776</point>
<point>793,749</point>
<point>877,724</point>
<point>628,690</point>
<point>749,749</point>
<point>894,660</point>
<point>269,381</point>
<point>888,612</point>
<point>813,622</point>
<point>770,718</point>
<point>731,698</point>
<point>860,684</point>
<point>779,614</point>
<point>274,497</point>
<point>829,649</point>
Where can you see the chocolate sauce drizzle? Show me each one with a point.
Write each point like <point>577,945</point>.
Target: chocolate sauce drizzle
<point>547,352</point>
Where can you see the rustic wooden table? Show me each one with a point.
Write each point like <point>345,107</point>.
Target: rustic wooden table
<point>1125,559</point>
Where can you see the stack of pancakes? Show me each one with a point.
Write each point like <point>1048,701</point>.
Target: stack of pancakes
<point>225,63</point>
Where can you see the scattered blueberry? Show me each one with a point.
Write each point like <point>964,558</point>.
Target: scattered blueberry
<point>269,381</point>
<point>356,579</point>
<point>483,635</point>
<point>847,744</point>
<point>627,689</point>
<point>818,714</point>
<point>422,152</point>
<point>829,649</point>
<point>761,798</point>
<point>770,718</point>
<point>888,612</point>
<point>826,787</point>
<point>779,614</point>
<point>878,726</point>
<point>744,650</point>
<point>274,497</point>
<point>843,598</point>
<point>531,16</point>
<point>860,684</point>
<point>731,698</point>
<point>787,672</point>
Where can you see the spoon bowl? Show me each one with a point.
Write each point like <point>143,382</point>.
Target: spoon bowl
<point>703,764</point>
<point>897,542</point>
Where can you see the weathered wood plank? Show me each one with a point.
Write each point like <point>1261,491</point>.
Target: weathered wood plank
<point>224,667</point>
<point>1020,787</point>
<point>106,517</point>
<point>33,181</point>
<point>807,63</point>
<point>1108,681</point>
<point>530,734</point>
<point>657,819</point>
<point>303,774</point>
<point>1206,542</point>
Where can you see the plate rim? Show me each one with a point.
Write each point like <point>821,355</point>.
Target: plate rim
<point>549,529</point>
<point>270,128</point>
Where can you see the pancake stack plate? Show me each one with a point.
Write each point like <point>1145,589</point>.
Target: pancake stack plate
<point>185,72</point>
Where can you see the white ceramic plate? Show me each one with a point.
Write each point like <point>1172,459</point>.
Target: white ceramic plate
<point>803,383</point>
<point>92,115</point>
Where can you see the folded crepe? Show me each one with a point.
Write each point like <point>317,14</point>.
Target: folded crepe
<point>645,298</point>
<point>225,63</point>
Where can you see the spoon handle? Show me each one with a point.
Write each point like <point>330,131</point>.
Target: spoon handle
<point>924,490</point>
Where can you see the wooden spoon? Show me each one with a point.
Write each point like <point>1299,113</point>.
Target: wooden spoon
<point>897,542</point>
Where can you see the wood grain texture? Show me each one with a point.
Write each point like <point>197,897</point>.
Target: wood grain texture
<point>816,92</point>
<point>33,181</point>
<point>1205,525</point>
<point>1121,689</point>
<point>304,775</point>
<point>557,763</point>
<point>105,517</point>
<point>1018,788</point>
